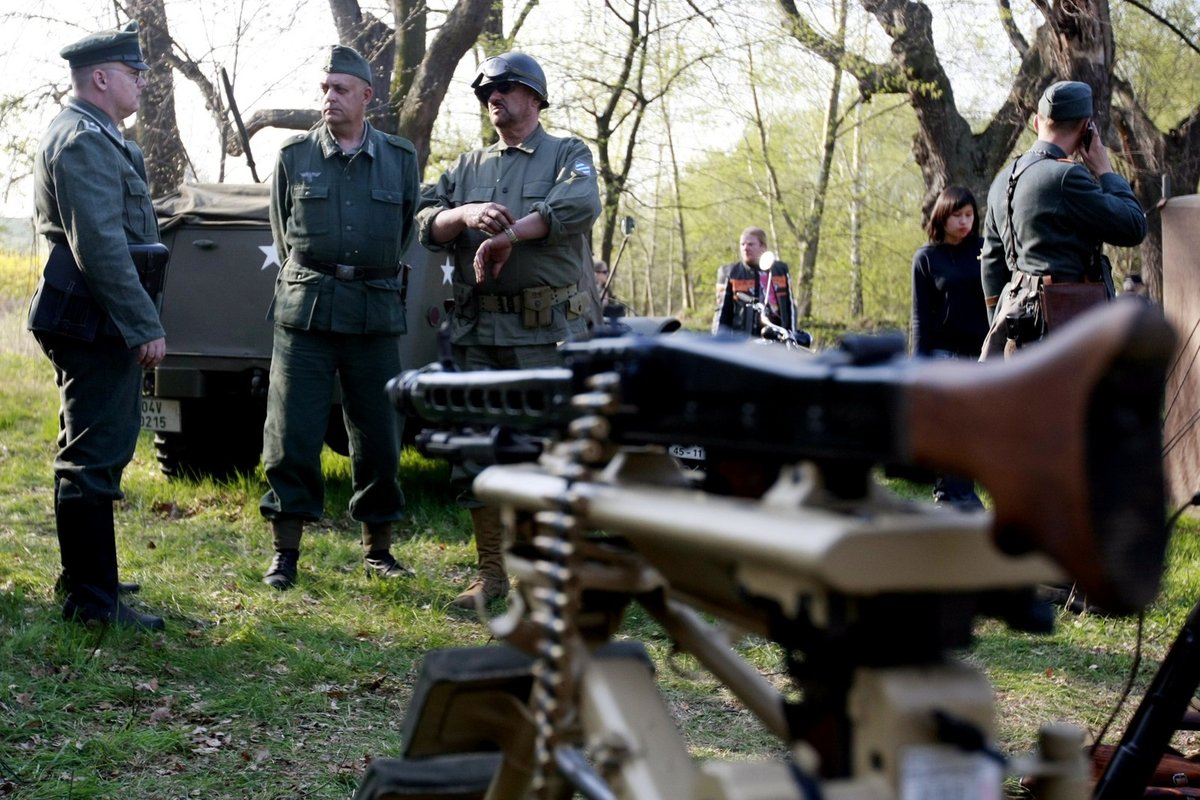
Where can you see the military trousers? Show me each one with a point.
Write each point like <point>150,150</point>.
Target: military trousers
<point>304,366</point>
<point>99,387</point>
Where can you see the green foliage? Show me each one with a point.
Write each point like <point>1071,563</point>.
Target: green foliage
<point>726,192</point>
<point>1160,66</point>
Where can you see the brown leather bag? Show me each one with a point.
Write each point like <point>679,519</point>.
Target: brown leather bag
<point>1062,302</point>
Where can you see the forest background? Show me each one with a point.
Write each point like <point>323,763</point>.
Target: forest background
<point>831,124</point>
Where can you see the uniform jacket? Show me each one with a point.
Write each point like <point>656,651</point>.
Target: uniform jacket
<point>551,175</point>
<point>91,195</point>
<point>356,210</point>
<point>738,277</point>
<point>1061,215</point>
<point>948,312</point>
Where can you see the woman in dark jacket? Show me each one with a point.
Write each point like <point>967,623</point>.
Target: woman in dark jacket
<point>949,318</point>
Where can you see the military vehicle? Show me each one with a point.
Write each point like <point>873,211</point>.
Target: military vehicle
<point>206,402</point>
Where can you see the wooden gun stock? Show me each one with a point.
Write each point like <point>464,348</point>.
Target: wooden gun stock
<point>1067,438</point>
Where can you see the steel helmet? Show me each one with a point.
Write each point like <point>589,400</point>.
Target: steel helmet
<point>514,67</point>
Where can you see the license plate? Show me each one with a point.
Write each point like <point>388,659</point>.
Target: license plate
<point>161,415</point>
<point>940,772</point>
<point>689,452</point>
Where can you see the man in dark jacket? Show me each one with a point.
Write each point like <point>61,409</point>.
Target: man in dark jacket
<point>92,316</point>
<point>1047,216</point>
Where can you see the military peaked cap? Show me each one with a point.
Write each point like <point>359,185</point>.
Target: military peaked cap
<point>119,45</point>
<point>347,61</point>
<point>1066,100</point>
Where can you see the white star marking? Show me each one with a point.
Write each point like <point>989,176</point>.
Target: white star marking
<point>447,271</point>
<point>271,256</point>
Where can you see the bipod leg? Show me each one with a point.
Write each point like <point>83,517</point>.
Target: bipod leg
<point>1156,719</point>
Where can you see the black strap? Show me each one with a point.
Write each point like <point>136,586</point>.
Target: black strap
<point>1008,236</point>
<point>343,272</point>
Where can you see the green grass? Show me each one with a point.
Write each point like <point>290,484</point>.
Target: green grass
<point>252,693</point>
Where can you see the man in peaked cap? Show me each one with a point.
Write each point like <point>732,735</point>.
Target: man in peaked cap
<point>92,315</point>
<point>514,216</point>
<point>1048,218</point>
<point>343,198</point>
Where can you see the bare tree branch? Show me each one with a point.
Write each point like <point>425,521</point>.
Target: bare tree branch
<point>1010,27</point>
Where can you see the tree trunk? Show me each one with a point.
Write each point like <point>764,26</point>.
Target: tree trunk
<point>420,107</point>
<point>812,227</point>
<point>157,130</point>
<point>689,289</point>
<point>1155,154</point>
<point>857,200</point>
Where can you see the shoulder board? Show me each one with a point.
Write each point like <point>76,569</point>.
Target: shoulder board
<point>401,142</point>
<point>293,140</point>
<point>87,125</point>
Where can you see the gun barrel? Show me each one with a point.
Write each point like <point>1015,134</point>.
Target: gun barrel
<point>524,399</point>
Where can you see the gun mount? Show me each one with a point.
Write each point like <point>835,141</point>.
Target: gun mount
<point>867,594</point>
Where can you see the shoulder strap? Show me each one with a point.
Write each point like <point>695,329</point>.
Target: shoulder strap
<point>1009,235</point>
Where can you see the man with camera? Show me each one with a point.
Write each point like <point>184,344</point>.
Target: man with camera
<point>1047,220</point>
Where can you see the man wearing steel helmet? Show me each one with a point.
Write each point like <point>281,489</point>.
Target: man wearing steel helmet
<point>1047,220</point>
<point>515,216</point>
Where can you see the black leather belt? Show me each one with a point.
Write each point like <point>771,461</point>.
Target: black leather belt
<point>344,272</point>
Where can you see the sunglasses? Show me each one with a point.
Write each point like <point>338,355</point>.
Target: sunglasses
<point>503,87</point>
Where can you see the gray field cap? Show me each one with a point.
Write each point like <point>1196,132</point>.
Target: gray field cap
<point>119,45</point>
<point>347,61</point>
<point>1066,100</point>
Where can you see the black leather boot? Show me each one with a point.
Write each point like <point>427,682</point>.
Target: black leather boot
<point>88,546</point>
<point>60,586</point>
<point>283,570</point>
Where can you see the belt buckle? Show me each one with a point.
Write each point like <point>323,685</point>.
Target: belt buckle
<point>345,272</point>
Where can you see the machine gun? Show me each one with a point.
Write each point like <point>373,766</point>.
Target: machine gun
<point>867,594</point>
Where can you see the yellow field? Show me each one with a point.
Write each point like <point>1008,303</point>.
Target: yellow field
<point>18,275</point>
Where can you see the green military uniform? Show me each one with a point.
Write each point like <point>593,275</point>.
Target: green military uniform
<point>90,314</point>
<point>342,221</point>
<point>1061,215</point>
<point>548,174</point>
<point>93,202</point>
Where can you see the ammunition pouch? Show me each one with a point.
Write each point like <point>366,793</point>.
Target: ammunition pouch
<point>464,302</point>
<point>536,304</point>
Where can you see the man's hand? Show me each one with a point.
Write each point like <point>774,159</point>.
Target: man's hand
<point>1095,156</point>
<point>491,218</point>
<point>493,254</point>
<point>151,354</point>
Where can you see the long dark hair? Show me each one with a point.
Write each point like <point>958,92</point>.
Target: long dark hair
<point>951,199</point>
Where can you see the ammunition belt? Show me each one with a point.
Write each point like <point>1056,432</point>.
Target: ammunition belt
<point>344,272</point>
<point>515,304</point>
